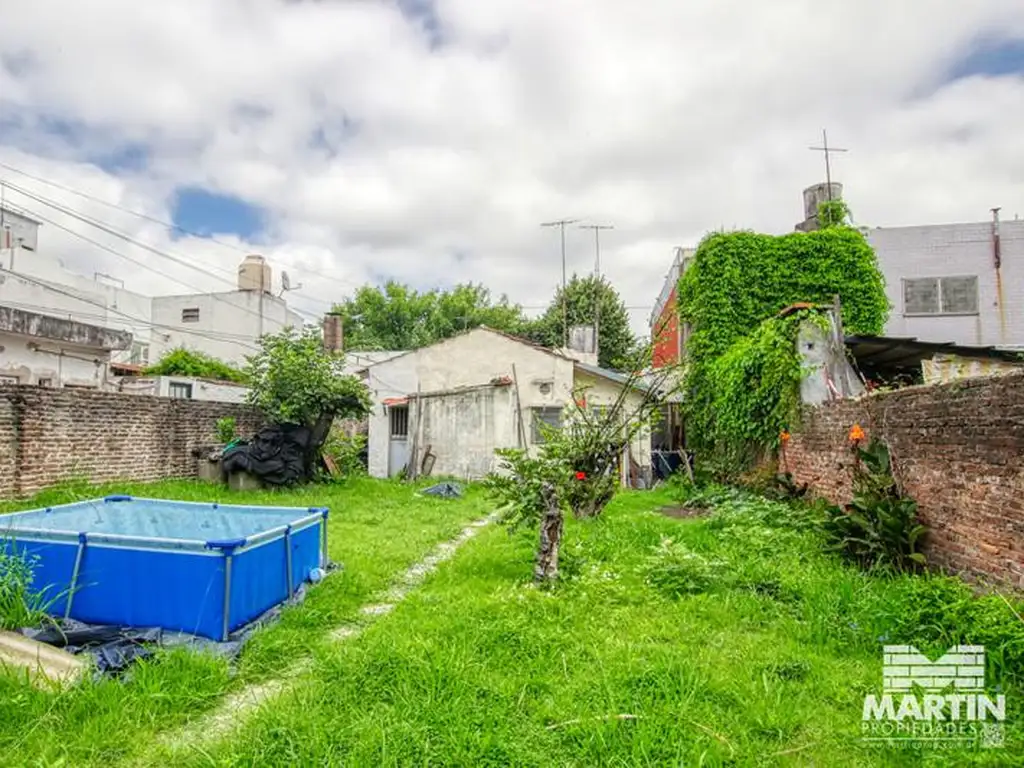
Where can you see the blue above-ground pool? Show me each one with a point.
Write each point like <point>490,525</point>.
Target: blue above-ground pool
<point>206,569</point>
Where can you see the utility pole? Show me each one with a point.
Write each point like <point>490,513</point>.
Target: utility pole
<point>828,164</point>
<point>565,306</point>
<point>597,271</point>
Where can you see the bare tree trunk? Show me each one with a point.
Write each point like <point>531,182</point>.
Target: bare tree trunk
<point>546,569</point>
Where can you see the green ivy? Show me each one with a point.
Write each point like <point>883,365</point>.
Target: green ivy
<point>742,372</point>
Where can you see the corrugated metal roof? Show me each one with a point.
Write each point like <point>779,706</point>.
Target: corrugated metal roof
<point>909,352</point>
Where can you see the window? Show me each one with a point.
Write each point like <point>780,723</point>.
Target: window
<point>45,382</point>
<point>190,315</point>
<point>181,391</point>
<point>550,416</point>
<point>399,416</point>
<point>9,381</point>
<point>140,353</point>
<point>940,296</point>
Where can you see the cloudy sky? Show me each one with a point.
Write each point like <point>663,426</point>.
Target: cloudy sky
<point>352,141</point>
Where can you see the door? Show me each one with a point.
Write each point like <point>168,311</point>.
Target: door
<point>398,439</point>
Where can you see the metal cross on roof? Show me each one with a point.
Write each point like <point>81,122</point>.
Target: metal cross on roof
<point>828,164</point>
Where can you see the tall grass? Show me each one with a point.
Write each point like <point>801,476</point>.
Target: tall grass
<point>20,606</point>
<point>731,640</point>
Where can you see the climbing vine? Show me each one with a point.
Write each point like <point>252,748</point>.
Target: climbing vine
<point>742,373</point>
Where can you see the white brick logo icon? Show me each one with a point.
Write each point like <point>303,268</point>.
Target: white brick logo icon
<point>962,666</point>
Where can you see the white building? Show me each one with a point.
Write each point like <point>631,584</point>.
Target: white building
<point>49,351</point>
<point>184,388</point>
<point>460,399</point>
<point>960,283</point>
<point>225,325</point>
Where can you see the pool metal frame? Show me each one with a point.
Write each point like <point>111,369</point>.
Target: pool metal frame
<point>229,549</point>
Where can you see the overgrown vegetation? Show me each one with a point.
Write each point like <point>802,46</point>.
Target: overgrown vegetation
<point>348,452</point>
<point>879,528</point>
<point>294,381</point>
<point>742,371</point>
<point>760,652</point>
<point>188,362</point>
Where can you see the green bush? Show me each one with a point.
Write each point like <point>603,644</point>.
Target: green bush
<point>187,362</point>
<point>879,528</point>
<point>347,452</point>
<point>673,569</point>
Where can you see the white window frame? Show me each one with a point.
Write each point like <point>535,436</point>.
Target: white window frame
<point>187,314</point>
<point>175,388</point>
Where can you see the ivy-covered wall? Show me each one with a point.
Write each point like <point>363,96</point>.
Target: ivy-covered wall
<point>742,370</point>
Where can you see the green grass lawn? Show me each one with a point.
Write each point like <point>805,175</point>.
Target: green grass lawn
<point>376,529</point>
<point>736,643</point>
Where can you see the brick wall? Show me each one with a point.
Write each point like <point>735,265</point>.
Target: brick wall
<point>49,435</point>
<point>957,448</point>
<point>665,332</point>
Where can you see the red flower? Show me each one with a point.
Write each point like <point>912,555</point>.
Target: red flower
<point>581,475</point>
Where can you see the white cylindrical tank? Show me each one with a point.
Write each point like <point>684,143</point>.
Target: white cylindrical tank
<point>254,274</point>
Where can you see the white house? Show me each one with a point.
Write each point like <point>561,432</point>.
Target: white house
<point>224,324</point>
<point>48,351</point>
<point>450,405</point>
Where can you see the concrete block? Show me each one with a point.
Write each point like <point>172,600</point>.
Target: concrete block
<point>209,471</point>
<point>243,481</point>
<point>46,666</point>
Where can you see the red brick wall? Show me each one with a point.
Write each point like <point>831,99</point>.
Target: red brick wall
<point>957,448</point>
<point>665,335</point>
<point>50,435</point>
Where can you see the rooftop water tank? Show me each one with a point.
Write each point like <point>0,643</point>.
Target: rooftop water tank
<point>254,274</point>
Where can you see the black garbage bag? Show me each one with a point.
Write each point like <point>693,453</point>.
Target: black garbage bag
<point>113,648</point>
<point>277,455</point>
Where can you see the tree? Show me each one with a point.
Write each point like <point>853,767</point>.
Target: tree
<point>398,317</point>
<point>616,343</point>
<point>292,380</point>
<point>187,362</point>
<point>576,469</point>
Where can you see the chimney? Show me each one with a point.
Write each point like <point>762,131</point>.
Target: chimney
<point>333,334</point>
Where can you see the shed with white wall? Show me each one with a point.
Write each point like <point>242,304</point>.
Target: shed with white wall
<point>462,397</point>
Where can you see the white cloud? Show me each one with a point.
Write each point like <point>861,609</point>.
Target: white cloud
<point>378,156</point>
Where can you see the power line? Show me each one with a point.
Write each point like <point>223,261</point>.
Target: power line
<point>143,323</point>
<point>157,251</point>
<point>169,225</point>
<point>133,241</point>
